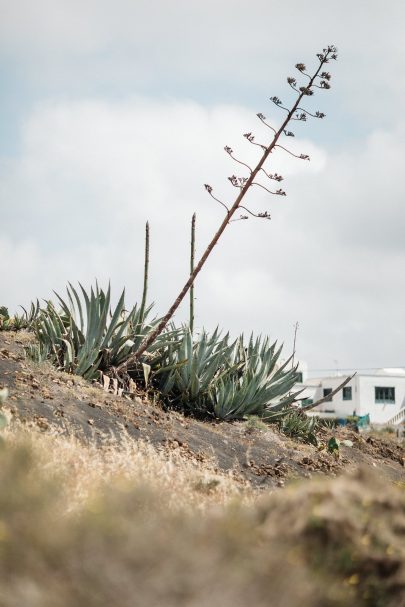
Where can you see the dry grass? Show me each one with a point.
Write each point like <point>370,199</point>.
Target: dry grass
<point>127,525</point>
<point>182,480</point>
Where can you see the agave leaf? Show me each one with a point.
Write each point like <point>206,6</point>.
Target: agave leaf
<point>69,354</point>
<point>275,411</point>
<point>169,368</point>
<point>79,306</point>
<point>86,301</point>
<point>65,307</point>
<point>101,322</point>
<point>146,372</point>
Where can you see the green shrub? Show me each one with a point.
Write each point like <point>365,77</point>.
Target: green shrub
<point>253,422</point>
<point>300,426</point>
<point>4,319</point>
<point>18,322</point>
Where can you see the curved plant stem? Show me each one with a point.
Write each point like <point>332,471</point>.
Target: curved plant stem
<point>232,210</point>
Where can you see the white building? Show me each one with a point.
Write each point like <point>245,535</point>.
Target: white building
<point>381,396</point>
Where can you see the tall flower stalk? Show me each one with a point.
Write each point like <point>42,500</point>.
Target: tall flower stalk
<point>320,79</point>
<point>145,272</point>
<point>192,256</point>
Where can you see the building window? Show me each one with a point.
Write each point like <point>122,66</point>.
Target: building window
<point>299,377</point>
<point>347,393</point>
<point>384,395</point>
<point>306,401</point>
<point>327,391</point>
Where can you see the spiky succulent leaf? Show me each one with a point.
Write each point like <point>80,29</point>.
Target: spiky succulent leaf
<point>256,384</point>
<point>84,335</point>
<point>191,367</point>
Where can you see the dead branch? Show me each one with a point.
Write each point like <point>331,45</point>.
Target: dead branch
<point>329,396</point>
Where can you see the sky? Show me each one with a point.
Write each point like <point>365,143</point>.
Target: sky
<point>115,113</point>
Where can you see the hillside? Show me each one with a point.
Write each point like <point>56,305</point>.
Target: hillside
<point>111,501</point>
<point>48,398</point>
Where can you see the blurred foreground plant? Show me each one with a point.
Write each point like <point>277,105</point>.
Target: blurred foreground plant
<point>3,398</point>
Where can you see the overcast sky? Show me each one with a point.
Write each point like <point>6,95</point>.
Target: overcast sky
<point>112,113</point>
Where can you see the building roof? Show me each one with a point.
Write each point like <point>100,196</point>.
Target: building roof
<point>393,371</point>
<point>398,372</point>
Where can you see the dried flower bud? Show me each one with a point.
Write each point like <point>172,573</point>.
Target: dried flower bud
<point>228,150</point>
<point>304,157</point>
<point>291,81</point>
<point>326,76</point>
<point>281,192</point>
<point>306,91</point>
<point>234,181</point>
<point>208,188</point>
<point>325,85</point>
<point>301,67</point>
<point>264,215</point>
<point>275,100</point>
<point>249,136</point>
<point>261,116</point>
<point>319,114</point>
<point>288,133</point>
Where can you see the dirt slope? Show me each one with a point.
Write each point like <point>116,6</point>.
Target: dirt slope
<point>42,395</point>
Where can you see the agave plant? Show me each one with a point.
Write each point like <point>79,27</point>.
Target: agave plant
<point>19,321</point>
<point>299,425</point>
<point>206,374</point>
<point>84,335</point>
<point>38,352</point>
<point>30,316</point>
<point>209,375</point>
<point>191,366</point>
<point>4,319</point>
<point>254,385</point>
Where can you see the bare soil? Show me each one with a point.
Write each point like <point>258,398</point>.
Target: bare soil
<point>41,395</point>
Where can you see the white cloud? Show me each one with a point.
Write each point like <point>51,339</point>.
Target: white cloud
<point>71,46</point>
<point>91,173</point>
